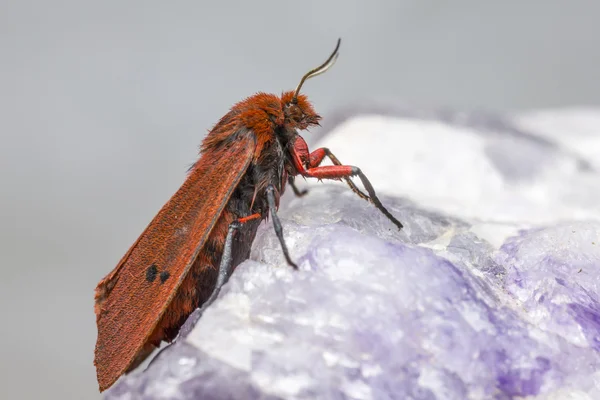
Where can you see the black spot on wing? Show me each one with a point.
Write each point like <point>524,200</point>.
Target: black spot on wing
<point>151,273</point>
<point>164,276</point>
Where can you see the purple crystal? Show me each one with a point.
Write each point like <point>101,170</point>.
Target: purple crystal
<point>435,311</point>
<point>555,274</point>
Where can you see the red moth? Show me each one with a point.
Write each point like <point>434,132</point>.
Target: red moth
<point>206,229</point>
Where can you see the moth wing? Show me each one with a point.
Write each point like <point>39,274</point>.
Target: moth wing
<point>131,300</point>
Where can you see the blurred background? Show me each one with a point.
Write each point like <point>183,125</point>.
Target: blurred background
<point>103,106</point>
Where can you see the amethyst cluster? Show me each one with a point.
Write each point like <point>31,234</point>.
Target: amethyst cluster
<point>491,291</point>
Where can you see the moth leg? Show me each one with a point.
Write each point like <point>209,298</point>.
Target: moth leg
<point>223,275</point>
<point>277,224</point>
<point>225,265</point>
<point>249,218</point>
<point>316,158</point>
<point>227,258</point>
<point>344,171</point>
<point>297,192</point>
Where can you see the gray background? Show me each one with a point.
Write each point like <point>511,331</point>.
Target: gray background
<point>103,105</point>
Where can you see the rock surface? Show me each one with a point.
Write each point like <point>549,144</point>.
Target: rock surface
<point>491,291</point>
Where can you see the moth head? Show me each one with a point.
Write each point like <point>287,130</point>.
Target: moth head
<point>298,112</point>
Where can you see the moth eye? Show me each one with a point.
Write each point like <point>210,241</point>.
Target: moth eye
<point>294,112</point>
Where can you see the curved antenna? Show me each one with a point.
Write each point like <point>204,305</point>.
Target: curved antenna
<point>319,70</point>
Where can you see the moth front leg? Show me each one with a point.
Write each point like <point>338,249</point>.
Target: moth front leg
<point>337,172</point>
<point>316,158</point>
<point>304,160</point>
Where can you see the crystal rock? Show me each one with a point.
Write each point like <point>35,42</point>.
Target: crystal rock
<point>491,290</point>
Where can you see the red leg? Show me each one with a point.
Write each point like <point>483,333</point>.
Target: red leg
<point>249,218</point>
<point>346,171</point>
<point>316,158</point>
<point>302,158</point>
<point>331,172</point>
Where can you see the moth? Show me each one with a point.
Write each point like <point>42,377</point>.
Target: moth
<point>191,247</point>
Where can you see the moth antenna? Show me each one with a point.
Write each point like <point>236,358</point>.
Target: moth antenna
<point>319,70</point>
